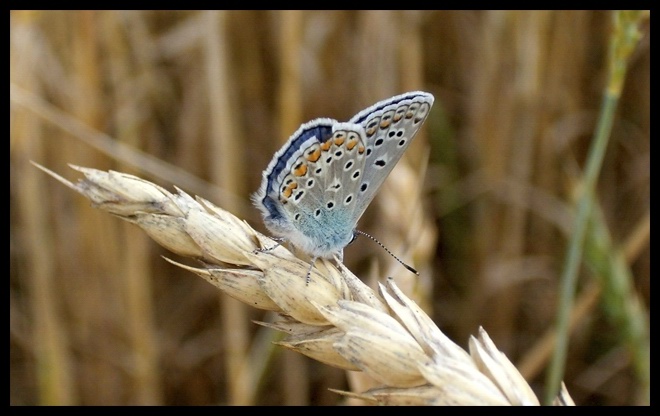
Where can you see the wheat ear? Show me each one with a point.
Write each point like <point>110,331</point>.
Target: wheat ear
<point>334,318</point>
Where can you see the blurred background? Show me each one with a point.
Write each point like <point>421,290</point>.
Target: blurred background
<point>481,204</point>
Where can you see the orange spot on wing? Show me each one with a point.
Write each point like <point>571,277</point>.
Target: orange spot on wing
<point>300,170</point>
<point>289,189</point>
<point>314,156</point>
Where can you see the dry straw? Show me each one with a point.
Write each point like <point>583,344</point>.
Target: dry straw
<point>335,318</point>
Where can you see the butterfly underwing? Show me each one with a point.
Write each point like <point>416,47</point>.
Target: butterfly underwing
<point>321,181</point>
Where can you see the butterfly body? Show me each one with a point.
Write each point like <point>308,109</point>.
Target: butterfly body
<point>320,182</point>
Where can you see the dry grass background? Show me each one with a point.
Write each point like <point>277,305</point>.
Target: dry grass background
<point>202,100</point>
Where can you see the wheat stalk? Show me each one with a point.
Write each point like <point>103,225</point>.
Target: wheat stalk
<point>334,318</point>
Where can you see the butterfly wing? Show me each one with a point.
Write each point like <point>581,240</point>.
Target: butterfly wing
<point>320,182</point>
<point>390,125</point>
<point>308,191</point>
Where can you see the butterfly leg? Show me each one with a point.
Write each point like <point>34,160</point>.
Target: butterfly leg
<point>279,241</point>
<point>309,271</point>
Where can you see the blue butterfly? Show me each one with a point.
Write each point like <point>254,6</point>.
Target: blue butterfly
<point>321,181</point>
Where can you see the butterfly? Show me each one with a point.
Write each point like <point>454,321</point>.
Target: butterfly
<point>321,181</point>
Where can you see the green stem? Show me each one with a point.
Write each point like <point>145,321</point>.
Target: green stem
<point>622,44</point>
<point>574,252</point>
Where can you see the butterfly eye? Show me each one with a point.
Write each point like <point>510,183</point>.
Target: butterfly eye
<point>353,237</point>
